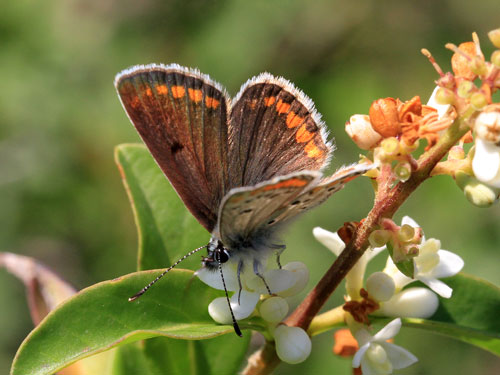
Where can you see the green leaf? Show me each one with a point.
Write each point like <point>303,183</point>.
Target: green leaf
<point>407,267</point>
<point>166,229</point>
<point>470,315</point>
<point>100,317</point>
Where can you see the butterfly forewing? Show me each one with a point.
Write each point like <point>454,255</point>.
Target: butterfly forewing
<point>274,130</point>
<point>182,117</point>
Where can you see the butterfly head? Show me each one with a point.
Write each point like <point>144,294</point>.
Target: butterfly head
<point>216,254</point>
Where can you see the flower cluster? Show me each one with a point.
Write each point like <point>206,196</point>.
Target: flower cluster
<point>382,293</point>
<point>393,129</point>
<point>293,345</point>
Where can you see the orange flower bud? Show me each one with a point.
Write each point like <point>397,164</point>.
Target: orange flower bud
<point>384,117</point>
<point>345,344</point>
<point>460,64</point>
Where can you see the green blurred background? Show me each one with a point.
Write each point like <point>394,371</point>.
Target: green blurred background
<point>61,198</point>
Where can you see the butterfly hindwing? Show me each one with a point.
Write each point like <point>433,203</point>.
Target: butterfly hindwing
<point>274,130</point>
<point>246,210</point>
<point>319,193</point>
<point>182,117</point>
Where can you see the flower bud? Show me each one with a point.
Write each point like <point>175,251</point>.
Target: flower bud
<point>301,273</point>
<point>274,309</point>
<point>494,36</point>
<point>478,100</point>
<point>465,89</point>
<point>384,117</point>
<point>219,310</point>
<point>495,58</point>
<point>380,286</point>
<point>391,146</point>
<point>445,96</point>
<point>487,124</point>
<point>293,345</point>
<point>480,195</point>
<point>478,66</point>
<point>361,132</point>
<point>410,303</point>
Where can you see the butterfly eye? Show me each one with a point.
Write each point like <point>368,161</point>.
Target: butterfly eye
<point>223,255</point>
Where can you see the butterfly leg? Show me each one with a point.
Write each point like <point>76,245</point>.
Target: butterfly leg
<point>280,250</point>
<point>256,265</point>
<point>240,268</point>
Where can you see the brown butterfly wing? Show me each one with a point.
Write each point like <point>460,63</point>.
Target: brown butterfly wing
<point>274,131</point>
<point>182,117</point>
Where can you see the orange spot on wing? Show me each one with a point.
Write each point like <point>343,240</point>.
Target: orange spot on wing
<point>178,91</point>
<point>135,102</point>
<point>292,120</point>
<point>195,95</point>
<point>303,135</point>
<point>162,89</point>
<point>148,91</point>
<point>294,182</point>
<point>282,107</point>
<point>253,103</point>
<point>312,150</point>
<point>269,101</point>
<point>211,102</point>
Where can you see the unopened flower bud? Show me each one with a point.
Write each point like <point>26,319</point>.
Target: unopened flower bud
<point>495,58</point>
<point>274,309</point>
<point>445,96</point>
<point>293,345</point>
<point>219,310</point>
<point>478,66</point>
<point>277,280</point>
<point>494,36</point>
<point>487,124</point>
<point>380,286</point>
<point>479,194</point>
<point>410,303</point>
<point>384,117</point>
<point>478,100</point>
<point>465,89</point>
<point>360,129</point>
<point>301,274</point>
<point>402,171</point>
<point>379,238</point>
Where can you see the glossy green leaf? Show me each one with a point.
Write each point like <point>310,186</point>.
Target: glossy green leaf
<point>100,317</point>
<point>166,229</point>
<point>470,315</point>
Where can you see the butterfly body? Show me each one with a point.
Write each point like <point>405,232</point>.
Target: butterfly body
<point>244,168</point>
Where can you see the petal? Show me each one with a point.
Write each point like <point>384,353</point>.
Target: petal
<point>410,303</point>
<point>486,161</point>
<point>389,331</point>
<point>331,240</point>
<point>301,274</point>
<point>368,368</point>
<point>356,361</point>
<point>437,286</point>
<point>441,108</point>
<point>213,279</point>
<point>399,357</point>
<point>277,280</point>
<point>219,310</point>
<point>449,264</point>
<point>409,221</point>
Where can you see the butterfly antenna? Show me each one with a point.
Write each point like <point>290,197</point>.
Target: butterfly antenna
<point>145,289</point>
<point>235,323</point>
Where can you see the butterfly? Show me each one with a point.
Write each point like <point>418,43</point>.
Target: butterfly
<point>244,167</point>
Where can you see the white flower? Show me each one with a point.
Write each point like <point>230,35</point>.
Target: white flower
<point>360,129</point>
<point>410,303</point>
<point>431,264</point>
<point>376,356</point>
<point>286,280</point>
<point>293,345</point>
<point>354,279</point>
<point>442,109</point>
<point>486,162</point>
